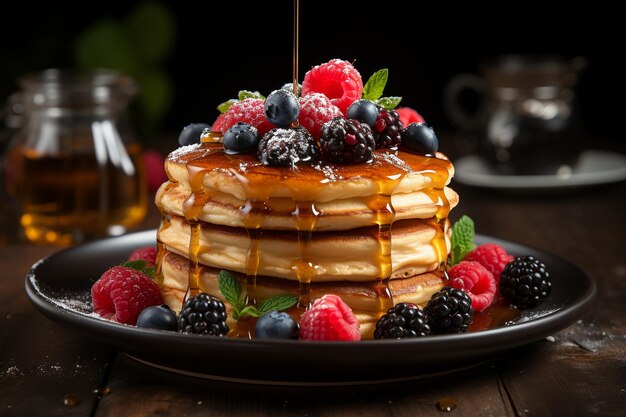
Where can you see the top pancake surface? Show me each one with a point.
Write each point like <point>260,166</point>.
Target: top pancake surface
<point>207,168</point>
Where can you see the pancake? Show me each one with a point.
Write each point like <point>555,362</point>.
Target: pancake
<point>245,178</point>
<point>341,214</point>
<point>417,246</point>
<point>363,298</point>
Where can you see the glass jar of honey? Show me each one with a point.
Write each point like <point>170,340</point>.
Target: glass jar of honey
<point>74,167</point>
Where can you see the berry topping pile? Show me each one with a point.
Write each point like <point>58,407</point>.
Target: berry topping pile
<point>330,91</point>
<point>329,318</point>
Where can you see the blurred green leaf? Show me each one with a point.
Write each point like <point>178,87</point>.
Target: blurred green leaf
<point>155,95</point>
<point>151,30</point>
<point>105,45</point>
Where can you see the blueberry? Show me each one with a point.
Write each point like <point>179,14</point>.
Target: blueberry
<point>282,108</point>
<point>419,138</point>
<point>158,317</point>
<point>276,325</point>
<point>191,133</point>
<point>289,87</point>
<point>364,111</point>
<point>241,138</point>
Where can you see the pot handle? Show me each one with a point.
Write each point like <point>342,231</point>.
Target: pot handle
<point>453,108</point>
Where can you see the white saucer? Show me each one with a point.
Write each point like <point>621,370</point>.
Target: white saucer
<point>594,167</point>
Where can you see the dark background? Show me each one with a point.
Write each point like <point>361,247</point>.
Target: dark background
<point>248,45</point>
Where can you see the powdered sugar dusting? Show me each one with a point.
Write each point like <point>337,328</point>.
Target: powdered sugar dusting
<point>392,159</point>
<point>178,154</point>
<point>328,171</point>
<point>75,301</point>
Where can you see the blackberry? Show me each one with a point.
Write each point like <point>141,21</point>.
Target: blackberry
<point>347,141</point>
<point>203,314</point>
<point>525,282</point>
<point>401,321</point>
<point>449,311</point>
<point>287,147</point>
<point>388,129</point>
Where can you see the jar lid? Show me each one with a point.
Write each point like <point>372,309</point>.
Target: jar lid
<point>77,88</point>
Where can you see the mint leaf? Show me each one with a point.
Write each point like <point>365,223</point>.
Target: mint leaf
<point>223,108</point>
<point>244,94</point>
<point>141,266</point>
<point>280,303</point>
<point>462,239</point>
<point>249,311</point>
<point>389,103</point>
<point>231,290</point>
<point>375,85</point>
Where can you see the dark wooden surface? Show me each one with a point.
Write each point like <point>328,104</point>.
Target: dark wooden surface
<point>581,371</point>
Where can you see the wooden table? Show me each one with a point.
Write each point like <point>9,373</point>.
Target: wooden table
<point>580,371</point>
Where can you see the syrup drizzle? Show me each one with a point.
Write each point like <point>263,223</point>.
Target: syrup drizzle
<point>296,42</point>
<point>305,217</point>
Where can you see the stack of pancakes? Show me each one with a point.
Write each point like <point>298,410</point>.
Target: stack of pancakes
<point>375,234</point>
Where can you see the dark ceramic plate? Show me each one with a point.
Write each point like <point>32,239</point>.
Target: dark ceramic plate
<point>59,287</point>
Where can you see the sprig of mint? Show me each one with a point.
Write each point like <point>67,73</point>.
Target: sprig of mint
<point>141,266</point>
<point>374,88</point>
<point>462,239</point>
<point>242,95</point>
<point>231,290</point>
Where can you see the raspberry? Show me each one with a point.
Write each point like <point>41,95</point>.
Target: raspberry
<point>336,79</point>
<point>251,111</point>
<point>315,110</point>
<point>147,253</point>
<point>409,115</point>
<point>477,282</point>
<point>492,256</point>
<point>329,318</point>
<point>122,293</point>
<point>388,129</point>
<point>347,141</point>
<point>218,124</point>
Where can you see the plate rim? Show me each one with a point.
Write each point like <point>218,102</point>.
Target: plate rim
<point>539,182</point>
